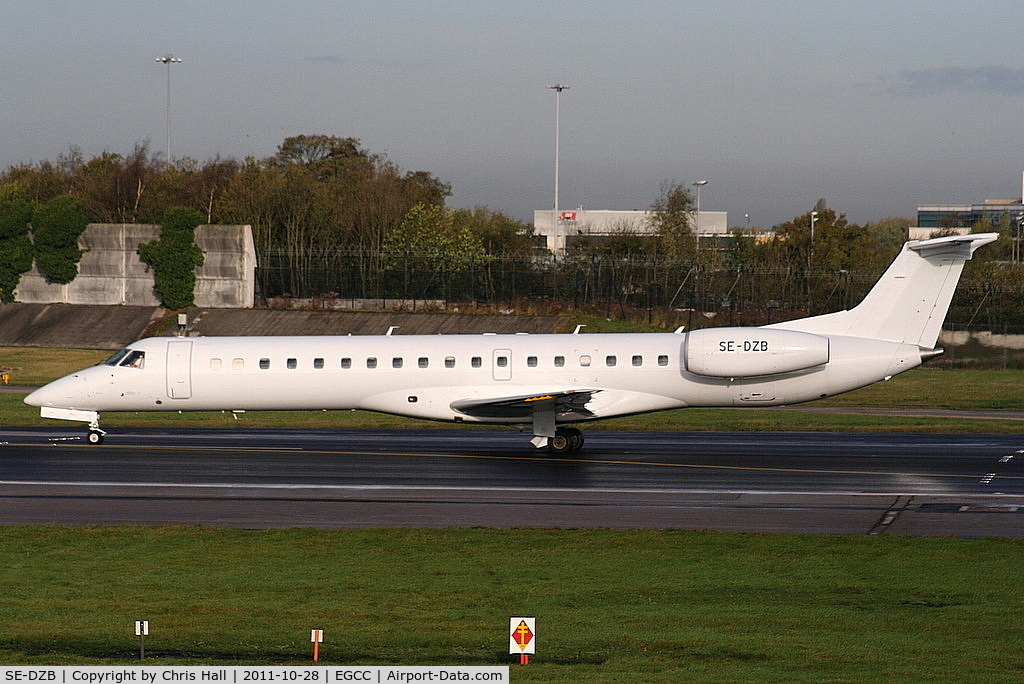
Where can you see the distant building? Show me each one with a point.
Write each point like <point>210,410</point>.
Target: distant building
<point>597,223</point>
<point>961,218</point>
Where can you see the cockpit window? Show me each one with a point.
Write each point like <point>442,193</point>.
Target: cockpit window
<point>136,359</point>
<point>116,358</point>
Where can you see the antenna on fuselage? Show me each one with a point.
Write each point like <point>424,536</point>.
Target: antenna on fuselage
<point>391,329</point>
<point>579,327</point>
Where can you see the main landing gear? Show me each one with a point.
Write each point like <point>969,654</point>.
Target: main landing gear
<point>565,440</point>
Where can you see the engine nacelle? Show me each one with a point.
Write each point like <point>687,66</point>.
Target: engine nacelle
<point>749,352</point>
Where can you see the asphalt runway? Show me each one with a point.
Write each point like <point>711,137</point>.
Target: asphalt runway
<point>820,483</point>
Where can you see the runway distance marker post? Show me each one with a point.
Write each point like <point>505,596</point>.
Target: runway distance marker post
<point>317,637</point>
<point>142,631</point>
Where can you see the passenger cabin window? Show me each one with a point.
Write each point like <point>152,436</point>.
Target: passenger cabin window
<point>371,362</point>
<point>610,360</point>
<point>135,359</point>
<point>396,362</point>
<point>559,361</point>
<point>585,360</point>
<point>215,364</point>
<point>318,363</point>
<point>346,362</point>
<point>238,364</point>
<point>476,362</point>
<point>264,364</point>
<point>449,362</point>
<point>638,360</point>
<point>292,363</point>
<point>663,360</point>
<point>501,361</point>
<point>422,362</point>
<point>531,361</point>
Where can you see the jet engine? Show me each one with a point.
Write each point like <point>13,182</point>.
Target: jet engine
<point>750,352</point>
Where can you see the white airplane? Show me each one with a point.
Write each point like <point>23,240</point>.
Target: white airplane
<point>545,383</point>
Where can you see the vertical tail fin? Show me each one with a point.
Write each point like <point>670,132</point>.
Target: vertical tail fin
<point>909,302</point>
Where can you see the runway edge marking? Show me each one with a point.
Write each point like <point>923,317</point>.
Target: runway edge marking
<point>891,515</point>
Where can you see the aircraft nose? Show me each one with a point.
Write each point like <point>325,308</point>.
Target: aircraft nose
<point>36,398</point>
<point>44,396</point>
<point>60,393</point>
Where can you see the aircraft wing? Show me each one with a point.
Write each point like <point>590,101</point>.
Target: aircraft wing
<point>564,404</point>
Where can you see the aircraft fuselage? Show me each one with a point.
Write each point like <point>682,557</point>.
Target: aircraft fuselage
<point>423,376</point>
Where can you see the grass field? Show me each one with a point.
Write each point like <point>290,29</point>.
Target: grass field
<point>650,606</point>
<point>611,606</point>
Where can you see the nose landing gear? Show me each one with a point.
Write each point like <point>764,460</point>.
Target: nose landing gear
<point>96,433</point>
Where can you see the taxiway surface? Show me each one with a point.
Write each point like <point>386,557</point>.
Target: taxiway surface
<point>823,483</point>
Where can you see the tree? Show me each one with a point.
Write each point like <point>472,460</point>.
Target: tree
<point>1003,249</point>
<point>509,246</point>
<point>429,243</point>
<point>612,268</point>
<point>310,150</point>
<point>670,221</point>
<point>500,235</point>
<point>741,248</point>
<point>889,234</point>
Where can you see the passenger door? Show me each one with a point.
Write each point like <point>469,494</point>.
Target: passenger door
<point>179,369</point>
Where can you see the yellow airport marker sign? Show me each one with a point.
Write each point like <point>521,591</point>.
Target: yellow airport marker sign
<point>522,638</point>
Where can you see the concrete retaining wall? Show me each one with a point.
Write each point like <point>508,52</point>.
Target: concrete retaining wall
<point>112,327</point>
<point>77,327</point>
<point>986,339</point>
<point>111,272</point>
<point>215,322</point>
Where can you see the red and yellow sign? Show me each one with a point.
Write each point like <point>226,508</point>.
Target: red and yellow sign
<point>522,638</point>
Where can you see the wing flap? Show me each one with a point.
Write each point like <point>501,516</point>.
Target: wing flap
<point>566,404</point>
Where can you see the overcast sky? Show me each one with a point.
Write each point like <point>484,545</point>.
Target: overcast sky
<point>875,106</point>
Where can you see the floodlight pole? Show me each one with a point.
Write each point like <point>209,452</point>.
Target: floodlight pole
<point>558,88</point>
<point>1016,243</point>
<point>700,184</point>
<point>810,259</point>
<point>814,218</point>
<point>168,59</point>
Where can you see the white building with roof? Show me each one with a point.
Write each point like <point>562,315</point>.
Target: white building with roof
<point>578,223</point>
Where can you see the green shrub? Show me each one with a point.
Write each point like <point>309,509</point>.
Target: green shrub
<point>174,258</point>
<point>15,245</point>
<point>56,227</point>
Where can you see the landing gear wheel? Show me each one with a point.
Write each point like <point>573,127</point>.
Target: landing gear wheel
<point>575,439</point>
<point>560,443</point>
<point>566,440</point>
<point>95,437</point>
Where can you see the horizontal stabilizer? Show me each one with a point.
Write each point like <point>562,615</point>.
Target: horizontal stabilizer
<point>958,246</point>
